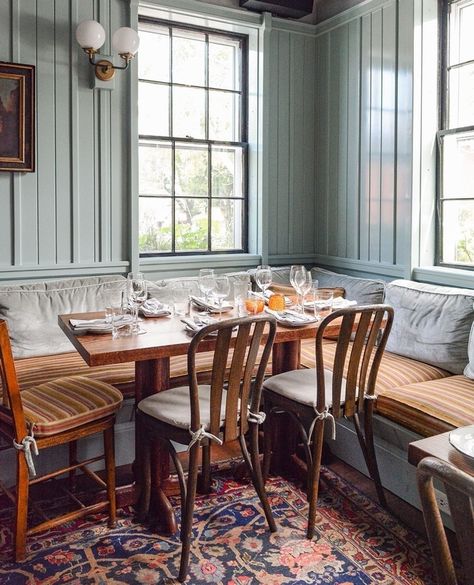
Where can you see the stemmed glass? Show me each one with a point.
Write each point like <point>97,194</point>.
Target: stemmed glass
<point>298,279</point>
<point>137,295</point>
<point>305,286</point>
<point>221,290</point>
<point>207,282</point>
<point>263,276</point>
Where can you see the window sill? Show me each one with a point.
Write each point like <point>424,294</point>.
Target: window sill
<point>169,266</point>
<point>445,276</point>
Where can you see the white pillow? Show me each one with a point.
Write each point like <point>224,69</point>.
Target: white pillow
<point>469,369</point>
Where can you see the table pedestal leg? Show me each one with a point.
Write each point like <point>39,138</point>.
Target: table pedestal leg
<point>152,376</point>
<point>286,357</point>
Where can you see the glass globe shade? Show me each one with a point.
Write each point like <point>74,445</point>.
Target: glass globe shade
<point>125,40</point>
<point>90,34</point>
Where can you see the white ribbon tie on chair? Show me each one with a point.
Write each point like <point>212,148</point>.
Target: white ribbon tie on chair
<point>199,435</point>
<point>322,416</point>
<point>27,445</point>
<point>256,417</point>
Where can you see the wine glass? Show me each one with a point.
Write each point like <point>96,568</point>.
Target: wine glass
<point>263,276</point>
<point>221,290</point>
<point>297,278</point>
<point>207,282</point>
<point>137,295</point>
<point>305,286</point>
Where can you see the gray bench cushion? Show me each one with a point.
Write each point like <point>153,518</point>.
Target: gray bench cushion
<point>431,323</point>
<point>469,369</point>
<point>32,310</point>
<point>365,291</point>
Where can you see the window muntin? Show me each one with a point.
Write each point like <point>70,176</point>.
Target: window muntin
<point>456,139</point>
<point>192,141</point>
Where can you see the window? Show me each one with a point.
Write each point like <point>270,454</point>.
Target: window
<point>456,139</point>
<point>192,140</point>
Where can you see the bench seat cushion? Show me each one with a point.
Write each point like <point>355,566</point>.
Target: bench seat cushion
<point>38,370</point>
<point>66,403</point>
<point>394,370</point>
<point>430,407</point>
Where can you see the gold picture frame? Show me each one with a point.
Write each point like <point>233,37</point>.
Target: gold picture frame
<point>17,117</point>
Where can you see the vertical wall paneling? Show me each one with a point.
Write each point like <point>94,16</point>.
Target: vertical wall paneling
<point>273,117</point>
<point>353,139</point>
<point>308,147</point>
<point>6,179</point>
<point>283,121</point>
<point>322,138</point>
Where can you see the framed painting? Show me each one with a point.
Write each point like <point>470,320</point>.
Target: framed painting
<point>17,117</point>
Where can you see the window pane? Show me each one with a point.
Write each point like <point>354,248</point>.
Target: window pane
<point>224,63</point>
<point>189,57</point>
<point>224,116</point>
<point>462,25</point>
<point>191,225</point>
<point>227,165</point>
<point>461,96</point>
<point>153,112</point>
<point>154,55</point>
<point>226,224</point>
<point>458,165</point>
<point>155,168</point>
<point>458,232</point>
<point>189,112</point>
<point>191,171</point>
<point>155,224</point>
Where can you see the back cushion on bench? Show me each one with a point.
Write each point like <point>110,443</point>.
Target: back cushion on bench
<point>32,310</point>
<point>469,369</point>
<point>365,291</point>
<point>431,323</point>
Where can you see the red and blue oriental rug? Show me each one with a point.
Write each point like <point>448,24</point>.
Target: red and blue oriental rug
<point>357,543</point>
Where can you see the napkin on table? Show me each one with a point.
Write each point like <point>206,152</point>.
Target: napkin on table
<point>154,308</point>
<point>209,306</point>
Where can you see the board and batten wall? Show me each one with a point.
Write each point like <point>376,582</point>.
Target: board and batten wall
<point>74,215</point>
<point>70,216</point>
<point>363,155</point>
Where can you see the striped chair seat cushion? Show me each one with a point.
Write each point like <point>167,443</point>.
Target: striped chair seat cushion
<point>394,371</point>
<point>38,370</point>
<point>67,403</point>
<point>430,407</point>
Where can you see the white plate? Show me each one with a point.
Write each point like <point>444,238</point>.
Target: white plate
<point>462,439</point>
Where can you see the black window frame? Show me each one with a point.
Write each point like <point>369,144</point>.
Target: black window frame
<point>444,130</point>
<point>172,140</point>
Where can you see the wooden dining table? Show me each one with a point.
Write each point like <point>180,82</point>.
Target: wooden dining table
<point>151,351</point>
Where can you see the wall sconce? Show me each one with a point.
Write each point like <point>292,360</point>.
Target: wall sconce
<point>90,35</point>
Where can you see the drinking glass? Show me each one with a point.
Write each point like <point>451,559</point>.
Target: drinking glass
<point>323,299</point>
<point>263,276</point>
<point>241,289</point>
<point>254,304</point>
<point>181,300</point>
<point>207,282</point>
<point>137,295</point>
<point>299,279</point>
<point>221,290</point>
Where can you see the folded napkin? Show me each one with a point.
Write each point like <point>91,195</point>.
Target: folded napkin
<point>154,308</point>
<point>196,324</point>
<point>336,303</point>
<point>98,324</point>
<point>210,306</point>
<point>289,316</point>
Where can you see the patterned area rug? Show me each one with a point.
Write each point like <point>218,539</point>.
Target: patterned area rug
<point>357,542</point>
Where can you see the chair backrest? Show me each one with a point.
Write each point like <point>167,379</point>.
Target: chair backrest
<point>360,345</point>
<point>11,390</point>
<point>459,487</point>
<point>245,335</point>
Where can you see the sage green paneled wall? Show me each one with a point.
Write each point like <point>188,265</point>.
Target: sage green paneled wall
<point>292,142</point>
<point>363,150</point>
<point>71,214</point>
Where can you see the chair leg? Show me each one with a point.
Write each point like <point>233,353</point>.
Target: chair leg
<point>145,479</point>
<point>72,461</point>
<point>109,449</point>
<point>187,521</point>
<point>314,473</point>
<point>21,507</point>
<point>366,442</point>
<point>204,480</point>
<point>267,441</point>
<point>257,478</point>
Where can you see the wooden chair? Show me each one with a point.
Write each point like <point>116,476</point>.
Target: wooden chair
<point>314,396</point>
<point>195,415</point>
<point>54,413</point>
<point>459,487</point>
